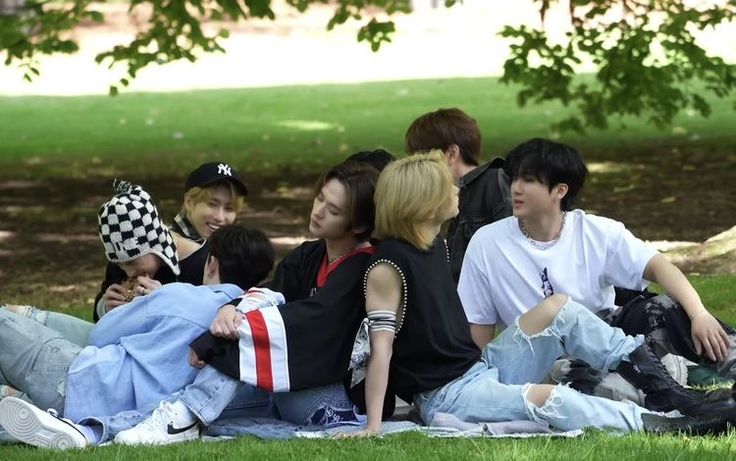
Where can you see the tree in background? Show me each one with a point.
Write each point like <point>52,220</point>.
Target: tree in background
<point>647,61</point>
<point>174,27</point>
<point>645,52</point>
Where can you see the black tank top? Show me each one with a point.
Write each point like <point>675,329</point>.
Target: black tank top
<point>433,345</point>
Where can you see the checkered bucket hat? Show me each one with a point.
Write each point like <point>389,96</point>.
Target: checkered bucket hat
<point>130,227</point>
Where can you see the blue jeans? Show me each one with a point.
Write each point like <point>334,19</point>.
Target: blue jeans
<point>71,328</point>
<point>35,359</point>
<point>495,388</point>
<point>226,398</point>
<point>214,396</point>
<point>320,406</point>
<point>212,391</point>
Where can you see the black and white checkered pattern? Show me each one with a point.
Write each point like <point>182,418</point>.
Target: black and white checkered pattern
<point>130,227</point>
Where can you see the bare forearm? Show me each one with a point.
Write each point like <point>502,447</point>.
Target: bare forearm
<point>376,383</point>
<point>674,282</point>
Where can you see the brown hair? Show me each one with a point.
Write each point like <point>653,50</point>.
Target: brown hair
<point>359,180</point>
<point>441,129</point>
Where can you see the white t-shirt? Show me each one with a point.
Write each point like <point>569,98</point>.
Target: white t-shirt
<point>504,275</point>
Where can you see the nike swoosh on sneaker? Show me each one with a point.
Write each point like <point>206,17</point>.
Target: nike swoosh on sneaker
<point>171,430</point>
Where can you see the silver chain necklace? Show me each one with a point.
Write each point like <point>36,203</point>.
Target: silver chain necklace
<point>543,245</point>
<point>332,260</point>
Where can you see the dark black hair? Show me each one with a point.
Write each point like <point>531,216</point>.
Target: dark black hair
<point>551,163</point>
<point>245,255</point>
<point>378,158</point>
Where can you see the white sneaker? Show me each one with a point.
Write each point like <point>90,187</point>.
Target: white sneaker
<point>34,426</point>
<point>163,427</point>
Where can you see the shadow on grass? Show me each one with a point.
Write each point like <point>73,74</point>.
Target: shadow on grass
<point>50,254</point>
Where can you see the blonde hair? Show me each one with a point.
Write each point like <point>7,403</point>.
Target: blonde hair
<point>204,194</point>
<point>409,194</point>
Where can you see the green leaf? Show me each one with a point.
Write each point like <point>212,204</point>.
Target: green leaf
<point>96,16</point>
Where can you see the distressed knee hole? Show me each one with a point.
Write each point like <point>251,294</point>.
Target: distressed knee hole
<point>549,410</point>
<point>543,315</point>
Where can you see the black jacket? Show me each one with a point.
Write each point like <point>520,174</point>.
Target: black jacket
<point>485,197</point>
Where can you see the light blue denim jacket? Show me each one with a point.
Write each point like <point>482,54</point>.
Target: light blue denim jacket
<point>138,352</point>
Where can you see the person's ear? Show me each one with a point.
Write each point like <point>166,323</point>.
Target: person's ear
<point>561,191</point>
<point>213,267</point>
<point>358,230</point>
<point>188,203</point>
<point>452,154</point>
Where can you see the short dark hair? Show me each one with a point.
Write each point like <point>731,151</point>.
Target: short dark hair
<point>378,158</point>
<point>245,255</point>
<point>551,163</point>
<point>359,180</point>
<point>441,129</point>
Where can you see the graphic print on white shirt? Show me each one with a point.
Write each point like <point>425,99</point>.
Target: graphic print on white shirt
<point>547,288</point>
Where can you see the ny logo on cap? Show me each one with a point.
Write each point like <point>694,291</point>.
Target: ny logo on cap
<point>225,169</point>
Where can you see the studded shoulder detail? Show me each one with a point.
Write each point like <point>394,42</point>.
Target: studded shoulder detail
<point>404,294</point>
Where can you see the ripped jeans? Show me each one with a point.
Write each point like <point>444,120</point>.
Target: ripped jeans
<point>495,388</point>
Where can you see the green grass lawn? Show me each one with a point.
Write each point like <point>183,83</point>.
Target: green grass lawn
<point>718,294</point>
<point>591,446</point>
<point>306,127</point>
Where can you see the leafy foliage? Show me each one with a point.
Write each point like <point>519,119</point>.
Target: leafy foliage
<point>645,53</point>
<point>40,28</point>
<point>647,60</point>
<point>174,28</point>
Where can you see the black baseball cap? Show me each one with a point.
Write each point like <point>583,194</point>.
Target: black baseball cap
<point>212,172</point>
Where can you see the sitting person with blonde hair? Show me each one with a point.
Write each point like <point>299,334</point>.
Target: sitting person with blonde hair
<point>422,350</point>
<point>213,194</point>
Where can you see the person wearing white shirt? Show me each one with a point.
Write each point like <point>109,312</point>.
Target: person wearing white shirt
<point>549,247</point>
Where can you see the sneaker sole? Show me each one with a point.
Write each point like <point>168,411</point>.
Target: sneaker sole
<point>22,422</point>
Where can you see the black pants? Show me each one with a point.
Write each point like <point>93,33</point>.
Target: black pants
<point>663,319</point>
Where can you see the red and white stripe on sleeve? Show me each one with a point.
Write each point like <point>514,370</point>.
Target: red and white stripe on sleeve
<point>263,350</point>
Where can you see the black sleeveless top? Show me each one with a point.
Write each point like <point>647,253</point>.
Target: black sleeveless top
<point>433,345</point>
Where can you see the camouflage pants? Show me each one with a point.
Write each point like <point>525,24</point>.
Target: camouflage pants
<point>662,318</point>
<point>659,317</point>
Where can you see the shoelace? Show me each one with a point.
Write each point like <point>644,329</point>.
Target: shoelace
<point>667,376</point>
<point>55,414</point>
<point>160,417</point>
